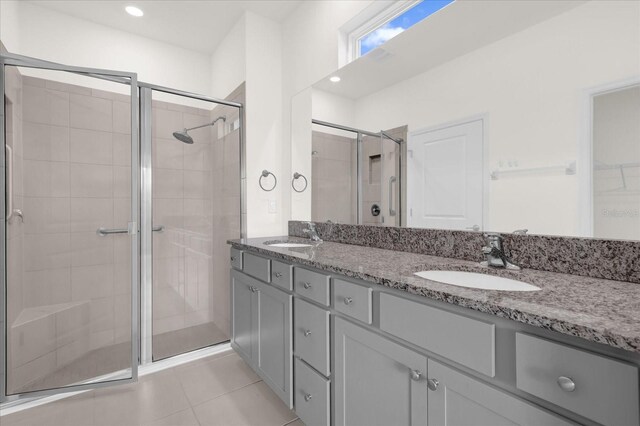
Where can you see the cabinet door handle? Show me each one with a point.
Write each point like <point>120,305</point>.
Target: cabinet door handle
<point>307,333</point>
<point>277,274</point>
<point>348,300</point>
<point>307,286</point>
<point>432,384</point>
<point>566,384</point>
<point>307,397</point>
<point>233,259</point>
<point>416,374</point>
<point>253,289</point>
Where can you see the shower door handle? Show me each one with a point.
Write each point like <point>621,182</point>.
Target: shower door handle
<point>9,165</point>
<point>158,228</point>
<point>104,232</point>
<point>392,211</point>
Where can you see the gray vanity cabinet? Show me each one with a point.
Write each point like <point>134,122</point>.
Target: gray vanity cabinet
<point>262,331</point>
<point>377,381</point>
<point>242,301</point>
<point>458,399</point>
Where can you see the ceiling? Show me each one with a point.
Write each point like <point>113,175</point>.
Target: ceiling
<point>196,25</point>
<point>460,28</point>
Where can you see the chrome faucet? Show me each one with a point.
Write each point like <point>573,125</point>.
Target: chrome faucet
<point>313,233</point>
<point>494,253</point>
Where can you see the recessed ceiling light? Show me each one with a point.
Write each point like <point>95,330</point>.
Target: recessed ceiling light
<point>334,79</point>
<point>134,11</point>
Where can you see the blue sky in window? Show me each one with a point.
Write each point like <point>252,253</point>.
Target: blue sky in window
<point>400,23</point>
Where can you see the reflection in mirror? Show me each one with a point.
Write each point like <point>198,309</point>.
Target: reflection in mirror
<point>356,175</point>
<point>529,122</point>
<point>616,163</point>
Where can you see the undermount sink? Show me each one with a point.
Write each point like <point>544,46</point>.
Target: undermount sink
<point>288,245</point>
<point>475,280</point>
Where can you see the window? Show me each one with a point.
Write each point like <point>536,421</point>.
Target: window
<point>390,23</point>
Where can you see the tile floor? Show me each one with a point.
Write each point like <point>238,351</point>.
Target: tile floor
<point>218,390</point>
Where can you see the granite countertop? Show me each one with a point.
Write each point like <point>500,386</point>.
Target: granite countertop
<point>598,310</point>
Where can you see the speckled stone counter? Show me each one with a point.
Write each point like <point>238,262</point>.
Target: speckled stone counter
<point>598,310</point>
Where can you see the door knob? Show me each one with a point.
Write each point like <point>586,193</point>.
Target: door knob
<point>278,274</point>
<point>307,333</point>
<point>415,374</point>
<point>253,289</point>
<point>307,397</point>
<point>307,285</point>
<point>432,384</point>
<point>348,300</point>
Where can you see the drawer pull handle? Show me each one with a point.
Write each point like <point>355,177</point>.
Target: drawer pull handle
<point>566,384</point>
<point>307,397</point>
<point>307,286</point>
<point>253,289</point>
<point>307,333</point>
<point>432,384</point>
<point>278,274</point>
<point>348,300</point>
<point>415,374</point>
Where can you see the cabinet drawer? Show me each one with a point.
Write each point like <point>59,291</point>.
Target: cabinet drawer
<point>311,395</point>
<point>281,274</point>
<point>236,258</point>
<point>431,328</point>
<point>604,390</point>
<point>312,285</point>
<point>352,299</point>
<point>256,266</point>
<point>311,335</point>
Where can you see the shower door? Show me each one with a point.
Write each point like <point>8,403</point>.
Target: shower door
<point>70,233</point>
<point>191,186</point>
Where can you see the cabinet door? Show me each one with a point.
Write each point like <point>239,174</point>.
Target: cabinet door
<point>242,301</point>
<point>273,351</point>
<point>377,381</point>
<point>459,400</point>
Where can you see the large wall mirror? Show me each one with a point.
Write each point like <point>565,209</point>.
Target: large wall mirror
<point>487,115</point>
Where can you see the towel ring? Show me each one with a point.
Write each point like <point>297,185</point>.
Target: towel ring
<point>297,175</point>
<point>266,173</point>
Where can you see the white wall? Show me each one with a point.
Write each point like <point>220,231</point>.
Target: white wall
<point>264,126</point>
<point>532,87</point>
<point>34,31</point>
<point>228,62</point>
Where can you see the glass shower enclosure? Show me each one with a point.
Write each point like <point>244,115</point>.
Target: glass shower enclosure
<point>70,259</point>
<point>119,198</point>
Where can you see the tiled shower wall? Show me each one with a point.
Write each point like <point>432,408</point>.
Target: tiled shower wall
<point>196,197</point>
<point>226,187</point>
<point>333,181</point>
<point>182,204</point>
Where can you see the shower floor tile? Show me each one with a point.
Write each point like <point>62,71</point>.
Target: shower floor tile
<point>187,339</point>
<point>176,396</point>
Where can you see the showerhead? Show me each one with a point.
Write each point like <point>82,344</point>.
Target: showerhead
<point>183,135</point>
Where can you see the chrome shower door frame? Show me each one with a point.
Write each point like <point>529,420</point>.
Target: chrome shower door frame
<point>128,78</point>
<point>146,202</point>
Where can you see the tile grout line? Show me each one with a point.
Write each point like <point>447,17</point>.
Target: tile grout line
<point>226,393</point>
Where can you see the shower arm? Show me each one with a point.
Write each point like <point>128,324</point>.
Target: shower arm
<point>205,125</point>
